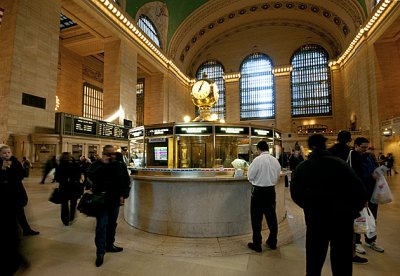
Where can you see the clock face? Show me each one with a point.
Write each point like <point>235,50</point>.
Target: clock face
<point>201,89</point>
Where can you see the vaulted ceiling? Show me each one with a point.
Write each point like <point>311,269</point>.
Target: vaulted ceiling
<point>196,27</point>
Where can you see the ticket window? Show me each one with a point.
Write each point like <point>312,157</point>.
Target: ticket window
<point>93,151</point>
<point>77,151</point>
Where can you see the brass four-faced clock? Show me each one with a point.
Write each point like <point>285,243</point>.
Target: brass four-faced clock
<point>204,95</point>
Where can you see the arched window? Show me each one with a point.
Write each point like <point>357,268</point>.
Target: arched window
<point>310,82</point>
<point>257,96</point>
<point>149,29</point>
<point>214,71</point>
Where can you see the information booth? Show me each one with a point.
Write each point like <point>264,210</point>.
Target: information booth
<point>198,145</point>
<point>183,182</point>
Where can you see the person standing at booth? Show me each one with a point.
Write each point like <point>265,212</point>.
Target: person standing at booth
<point>263,174</point>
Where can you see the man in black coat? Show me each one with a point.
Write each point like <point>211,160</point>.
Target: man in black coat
<point>331,196</point>
<point>111,180</point>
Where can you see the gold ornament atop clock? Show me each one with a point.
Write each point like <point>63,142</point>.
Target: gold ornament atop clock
<point>204,96</point>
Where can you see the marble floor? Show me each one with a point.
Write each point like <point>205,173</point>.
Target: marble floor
<point>70,250</point>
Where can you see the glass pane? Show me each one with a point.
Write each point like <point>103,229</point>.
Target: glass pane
<point>310,82</point>
<point>257,96</point>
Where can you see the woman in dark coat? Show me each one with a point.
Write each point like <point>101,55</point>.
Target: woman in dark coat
<point>14,198</point>
<point>68,174</point>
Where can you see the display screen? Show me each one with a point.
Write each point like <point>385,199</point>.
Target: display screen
<point>160,153</point>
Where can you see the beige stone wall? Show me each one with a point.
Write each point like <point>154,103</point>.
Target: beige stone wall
<point>69,86</point>
<point>29,36</point>
<point>387,75</point>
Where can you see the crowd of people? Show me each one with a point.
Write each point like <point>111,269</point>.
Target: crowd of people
<point>331,186</point>
<point>107,175</point>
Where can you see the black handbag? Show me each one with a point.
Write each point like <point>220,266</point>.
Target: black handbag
<point>91,204</point>
<point>55,196</point>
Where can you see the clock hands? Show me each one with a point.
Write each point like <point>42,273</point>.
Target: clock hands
<point>200,86</point>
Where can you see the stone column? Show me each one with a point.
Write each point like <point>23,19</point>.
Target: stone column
<point>232,99</point>
<point>120,78</point>
<point>283,117</point>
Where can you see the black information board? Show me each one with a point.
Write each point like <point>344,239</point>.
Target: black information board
<point>85,126</point>
<point>231,130</point>
<point>112,130</point>
<point>193,130</point>
<point>159,131</point>
<point>261,132</point>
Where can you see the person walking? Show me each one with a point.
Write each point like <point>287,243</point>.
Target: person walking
<point>14,198</point>
<point>342,150</point>
<point>389,162</point>
<point>108,178</point>
<point>364,165</point>
<point>50,164</point>
<point>331,195</point>
<point>26,164</point>
<point>263,174</point>
<point>68,175</point>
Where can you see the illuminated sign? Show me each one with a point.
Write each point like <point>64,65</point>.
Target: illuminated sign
<point>159,131</point>
<point>135,133</point>
<point>261,132</point>
<point>194,130</point>
<point>112,130</point>
<point>85,126</point>
<point>231,130</point>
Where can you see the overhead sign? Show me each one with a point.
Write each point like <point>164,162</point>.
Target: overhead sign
<point>193,130</point>
<point>159,131</point>
<point>112,130</point>
<point>84,126</point>
<point>136,132</point>
<point>231,130</point>
<point>261,132</point>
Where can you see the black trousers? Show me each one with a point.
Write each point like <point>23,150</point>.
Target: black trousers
<point>22,221</point>
<point>68,210</point>
<point>263,203</point>
<point>337,234</point>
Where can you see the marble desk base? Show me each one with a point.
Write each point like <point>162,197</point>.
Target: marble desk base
<point>193,207</point>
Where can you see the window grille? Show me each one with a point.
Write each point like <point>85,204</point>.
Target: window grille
<point>214,71</point>
<point>140,102</point>
<point>92,102</point>
<point>310,82</point>
<point>257,96</point>
<point>65,22</point>
<point>149,29</point>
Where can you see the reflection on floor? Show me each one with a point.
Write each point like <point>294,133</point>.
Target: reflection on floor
<point>70,250</point>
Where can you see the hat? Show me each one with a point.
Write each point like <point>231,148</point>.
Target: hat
<point>317,141</point>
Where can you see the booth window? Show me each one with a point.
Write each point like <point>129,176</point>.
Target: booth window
<point>149,29</point>
<point>215,72</point>
<point>140,102</point>
<point>257,96</point>
<point>92,102</point>
<point>310,82</point>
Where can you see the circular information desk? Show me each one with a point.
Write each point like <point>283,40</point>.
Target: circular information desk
<point>194,204</point>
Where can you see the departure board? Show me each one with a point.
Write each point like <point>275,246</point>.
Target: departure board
<point>85,126</point>
<point>112,130</point>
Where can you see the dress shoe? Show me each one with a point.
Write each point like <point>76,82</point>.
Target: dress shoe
<point>254,247</point>
<point>30,232</point>
<point>99,260</point>
<point>271,245</point>
<point>114,248</point>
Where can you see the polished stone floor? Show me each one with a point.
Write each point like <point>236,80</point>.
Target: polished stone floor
<point>70,250</point>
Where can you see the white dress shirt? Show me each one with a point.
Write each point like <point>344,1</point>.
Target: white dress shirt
<point>264,171</point>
